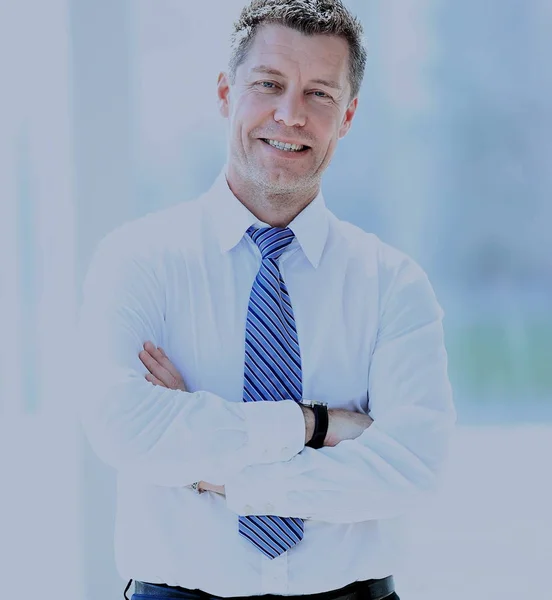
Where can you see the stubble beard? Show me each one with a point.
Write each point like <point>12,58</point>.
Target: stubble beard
<point>260,187</point>
<point>286,185</point>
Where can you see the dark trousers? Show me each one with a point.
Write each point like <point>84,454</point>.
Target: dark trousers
<point>162,593</point>
<point>148,597</point>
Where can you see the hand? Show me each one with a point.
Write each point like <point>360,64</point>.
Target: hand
<point>161,370</point>
<point>204,486</point>
<point>345,425</point>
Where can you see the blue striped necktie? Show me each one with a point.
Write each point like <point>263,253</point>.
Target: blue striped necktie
<point>272,370</point>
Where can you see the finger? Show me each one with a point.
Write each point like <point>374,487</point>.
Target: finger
<point>156,369</point>
<point>159,354</point>
<point>161,358</point>
<point>153,379</point>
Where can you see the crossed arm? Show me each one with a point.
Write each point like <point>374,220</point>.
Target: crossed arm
<point>169,437</point>
<point>343,424</point>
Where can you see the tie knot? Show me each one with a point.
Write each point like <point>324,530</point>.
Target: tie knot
<point>272,241</point>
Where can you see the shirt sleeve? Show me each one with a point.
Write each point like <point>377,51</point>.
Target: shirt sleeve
<point>399,458</point>
<point>157,435</point>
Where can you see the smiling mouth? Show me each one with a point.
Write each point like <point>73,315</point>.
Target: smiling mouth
<point>285,147</point>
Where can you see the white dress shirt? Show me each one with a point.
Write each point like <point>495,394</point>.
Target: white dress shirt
<point>371,339</point>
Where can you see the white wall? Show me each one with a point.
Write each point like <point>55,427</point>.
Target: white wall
<point>39,452</point>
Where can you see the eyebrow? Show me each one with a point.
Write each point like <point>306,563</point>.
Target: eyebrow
<point>270,71</point>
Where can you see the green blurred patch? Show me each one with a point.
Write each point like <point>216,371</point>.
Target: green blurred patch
<point>502,358</point>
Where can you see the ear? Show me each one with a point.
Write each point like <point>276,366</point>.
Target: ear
<point>348,118</point>
<point>223,93</point>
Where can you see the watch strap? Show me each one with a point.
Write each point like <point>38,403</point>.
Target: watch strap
<point>321,422</point>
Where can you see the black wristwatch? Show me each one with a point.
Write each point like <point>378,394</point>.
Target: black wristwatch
<point>321,421</point>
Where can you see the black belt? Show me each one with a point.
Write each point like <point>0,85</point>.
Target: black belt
<point>371,589</point>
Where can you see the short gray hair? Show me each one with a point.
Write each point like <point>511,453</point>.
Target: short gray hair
<point>310,17</point>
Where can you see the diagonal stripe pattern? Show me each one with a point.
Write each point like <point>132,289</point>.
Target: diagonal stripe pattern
<point>272,370</point>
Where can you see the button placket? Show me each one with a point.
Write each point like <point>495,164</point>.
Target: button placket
<point>275,575</point>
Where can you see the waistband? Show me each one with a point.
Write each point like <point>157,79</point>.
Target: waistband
<point>371,589</point>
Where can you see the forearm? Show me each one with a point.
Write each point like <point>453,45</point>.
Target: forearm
<point>372,477</point>
<point>157,435</point>
<point>172,438</point>
<point>396,461</point>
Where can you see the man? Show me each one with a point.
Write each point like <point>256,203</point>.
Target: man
<point>209,328</point>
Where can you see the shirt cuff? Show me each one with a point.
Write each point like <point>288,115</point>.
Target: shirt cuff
<point>275,430</point>
<point>249,493</point>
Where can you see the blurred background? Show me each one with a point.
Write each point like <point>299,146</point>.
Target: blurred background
<point>108,112</point>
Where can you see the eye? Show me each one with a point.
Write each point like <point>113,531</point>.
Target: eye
<point>267,85</point>
<point>321,94</point>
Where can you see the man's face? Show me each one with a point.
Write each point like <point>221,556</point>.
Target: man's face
<point>291,89</point>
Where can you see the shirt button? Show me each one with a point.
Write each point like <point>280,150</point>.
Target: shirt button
<point>248,508</point>
<point>270,508</point>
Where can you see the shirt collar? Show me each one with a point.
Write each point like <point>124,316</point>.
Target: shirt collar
<point>231,220</point>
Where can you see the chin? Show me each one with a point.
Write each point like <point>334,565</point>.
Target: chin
<point>280,174</point>
<point>284,184</point>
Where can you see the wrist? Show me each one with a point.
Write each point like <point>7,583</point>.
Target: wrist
<point>316,427</point>
<point>308,414</point>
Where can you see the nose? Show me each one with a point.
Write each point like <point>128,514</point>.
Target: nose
<point>291,110</point>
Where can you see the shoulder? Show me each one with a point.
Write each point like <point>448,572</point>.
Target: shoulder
<point>391,263</point>
<point>153,236</point>
<point>399,278</point>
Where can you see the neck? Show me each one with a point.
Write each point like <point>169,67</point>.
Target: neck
<point>275,209</point>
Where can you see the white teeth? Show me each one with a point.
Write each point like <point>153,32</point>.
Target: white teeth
<point>287,147</point>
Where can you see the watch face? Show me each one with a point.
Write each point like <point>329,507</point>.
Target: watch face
<point>312,403</point>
